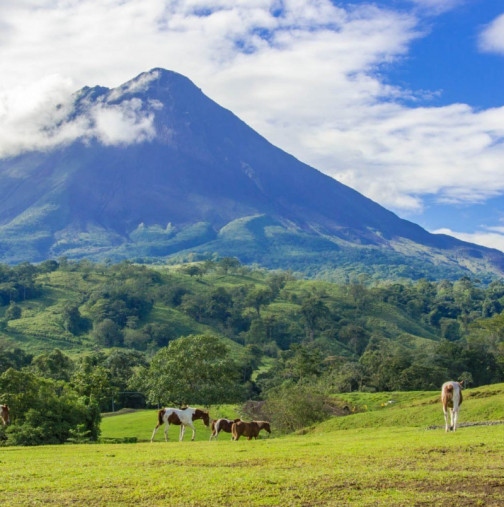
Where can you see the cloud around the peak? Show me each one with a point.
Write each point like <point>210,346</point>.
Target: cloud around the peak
<point>41,116</point>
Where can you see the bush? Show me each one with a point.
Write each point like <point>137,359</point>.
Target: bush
<point>290,408</point>
<point>45,411</point>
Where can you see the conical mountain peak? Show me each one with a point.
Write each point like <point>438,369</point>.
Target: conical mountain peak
<point>157,151</point>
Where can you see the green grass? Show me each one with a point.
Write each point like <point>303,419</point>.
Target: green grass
<point>378,466</point>
<point>416,408</point>
<point>384,457</point>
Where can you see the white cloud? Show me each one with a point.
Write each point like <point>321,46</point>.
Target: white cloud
<point>491,39</point>
<point>308,79</point>
<point>39,117</point>
<point>438,6</point>
<point>492,237</point>
<point>125,123</point>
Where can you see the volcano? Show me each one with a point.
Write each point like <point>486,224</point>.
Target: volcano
<point>154,169</point>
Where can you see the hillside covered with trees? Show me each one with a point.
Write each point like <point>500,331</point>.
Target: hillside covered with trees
<point>105,336</point>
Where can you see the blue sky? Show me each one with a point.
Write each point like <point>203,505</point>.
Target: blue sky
<point>448,57</point>
<point>402,100</point>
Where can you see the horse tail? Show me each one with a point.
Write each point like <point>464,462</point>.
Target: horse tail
<point>447,394</point>
<point>160,415</point>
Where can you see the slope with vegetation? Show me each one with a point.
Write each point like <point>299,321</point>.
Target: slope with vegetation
<point>130,335</point>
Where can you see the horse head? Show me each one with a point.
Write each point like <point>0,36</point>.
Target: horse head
<point>264,425</point>
<point>206,418</point>
<point>4,415</point>
<point>202,414</point>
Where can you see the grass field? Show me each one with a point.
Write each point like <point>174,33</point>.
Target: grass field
<point>390,460</point>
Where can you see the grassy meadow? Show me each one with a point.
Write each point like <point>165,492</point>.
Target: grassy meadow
<point>381,455</point>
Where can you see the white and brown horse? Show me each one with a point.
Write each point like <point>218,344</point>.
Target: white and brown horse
<point>451,398</point>
<point>4,415</point>
<point>183,417</point>
<point>249,429</point>
<point>222,425</point>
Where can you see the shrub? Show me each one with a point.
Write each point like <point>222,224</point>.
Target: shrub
<point>290,408</point>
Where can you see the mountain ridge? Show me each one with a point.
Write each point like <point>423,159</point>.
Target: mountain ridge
<point>157,151</point>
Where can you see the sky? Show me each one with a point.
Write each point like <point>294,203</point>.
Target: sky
<point>402,100</point>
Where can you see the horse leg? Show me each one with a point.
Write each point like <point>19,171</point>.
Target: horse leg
<point>154,433</point>
<point>215,432</point>
<point>445,412</point>
<point>455,418</point>
<point>182,431</point>
<point>193,431</point>
<point>167,425</point>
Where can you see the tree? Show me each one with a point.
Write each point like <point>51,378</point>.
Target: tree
<point>13,312</point>
<point>45,411</point>
<point>355,337</point>
<point>193,270</point>
<point>303,361</point>
<point>13,357</point>
<point>55,365</point>
<point>227,264</point>
<point>313,309</point>
<point>191,370</point>
<point>94,383</point>
<point>72,319</point>
<point>108,333</point>
<point>257,297</point>
<point>292,407</point>
<point>219,305</point>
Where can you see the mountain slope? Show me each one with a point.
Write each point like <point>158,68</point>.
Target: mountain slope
<point>162,169</point>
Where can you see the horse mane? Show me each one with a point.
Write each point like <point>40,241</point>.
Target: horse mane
<point>160,416</point>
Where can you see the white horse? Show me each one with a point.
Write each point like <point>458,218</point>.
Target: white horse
<point>183,417</point>
<point>451,398</point>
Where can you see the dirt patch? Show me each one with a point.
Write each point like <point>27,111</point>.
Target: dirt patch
<point>470,491</point>
<point>481,394</point>
<point>468,424</point>
<point>120,412</point>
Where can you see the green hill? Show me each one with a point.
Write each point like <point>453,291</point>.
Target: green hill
<point>412,409</point>
<point>279,329</point>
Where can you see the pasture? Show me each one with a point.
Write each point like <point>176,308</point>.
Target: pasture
<point>382,456</point>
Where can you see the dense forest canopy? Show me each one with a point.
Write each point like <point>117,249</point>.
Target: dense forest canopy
<point>113,335</point>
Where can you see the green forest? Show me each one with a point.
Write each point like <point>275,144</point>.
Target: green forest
<point>79,338</point>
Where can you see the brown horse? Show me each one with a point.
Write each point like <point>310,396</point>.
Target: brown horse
<point>222,425</point>
<point>4,415</point>
<point>249,429</point>
<point>183,417</point>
